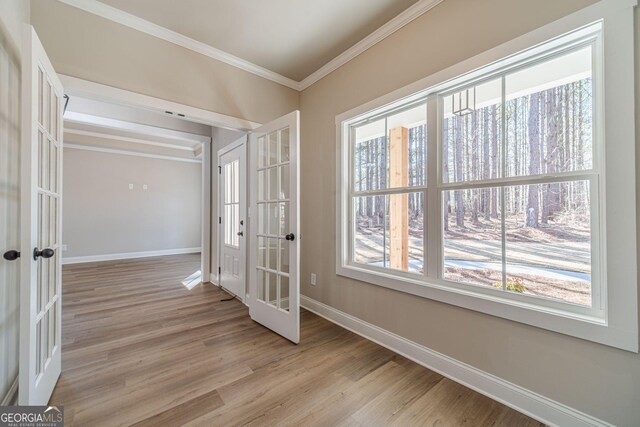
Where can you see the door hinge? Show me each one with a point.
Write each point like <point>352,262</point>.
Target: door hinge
<point>220,170</point>
<point>219,270</point>
<point>219,220</point>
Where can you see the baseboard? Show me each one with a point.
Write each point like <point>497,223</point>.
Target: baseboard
<point>128,255</point>
<point>528,402</point>
<point>10,398</point>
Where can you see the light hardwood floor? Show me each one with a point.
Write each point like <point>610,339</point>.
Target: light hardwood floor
<point>139,348</point>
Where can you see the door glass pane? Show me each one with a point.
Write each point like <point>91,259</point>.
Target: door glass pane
<point>272,139</point>
<point>261,283</point>
<point>273,219</point>
<point>38,347</point>
<point>54,116</point>
<point>263,218</point>
<point>284,182</point>
<point>273,183</point>
<point>284,256</point>
<point>262,152</point>
<point>272,256</point>
<point>284,218</point>
<point>262,186</point>
<point>45,338</point>
<point>40,96</point>
<point>262,252</point>
<point>272,280</point>
<point>46,110</point>
<point>56,338</point>
<point>284,145</point>
<point>236,224</point>
<point>284,293</point>
<point>53,167</point>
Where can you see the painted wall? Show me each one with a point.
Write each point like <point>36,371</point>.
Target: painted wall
<point>13,15</point>
<point>102,216</point>
<point>598,380</point>
<point>92,48</point>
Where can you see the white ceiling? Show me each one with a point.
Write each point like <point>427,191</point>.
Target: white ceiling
<point>293,38</point>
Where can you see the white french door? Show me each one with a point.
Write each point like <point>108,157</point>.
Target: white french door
<point>232,190</point>
<point>274,281</point>
<point>40,295</point>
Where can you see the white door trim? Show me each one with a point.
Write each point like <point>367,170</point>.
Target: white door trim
<point>241,142</point>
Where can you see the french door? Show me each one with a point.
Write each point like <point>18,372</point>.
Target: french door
<point>232,190</point>
<point>274,281</point>
<point>40,296</point>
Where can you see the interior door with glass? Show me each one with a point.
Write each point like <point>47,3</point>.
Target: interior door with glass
<point>232,172</point>
<point>274,280</point>
<point>41,207</point>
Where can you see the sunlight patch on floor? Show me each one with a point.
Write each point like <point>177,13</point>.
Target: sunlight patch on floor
<point>193,280</point>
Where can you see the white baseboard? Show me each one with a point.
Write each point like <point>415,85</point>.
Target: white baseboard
<point>128,255</point>
<point>528,402</point>
<point>11,396</point>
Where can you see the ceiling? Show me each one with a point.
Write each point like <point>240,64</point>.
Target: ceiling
<point>293,38</point>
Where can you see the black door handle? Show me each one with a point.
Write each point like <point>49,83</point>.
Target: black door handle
<point>240,233</point>
<point>11,255</point>
<point>45,253</point>
<point>290,237</point>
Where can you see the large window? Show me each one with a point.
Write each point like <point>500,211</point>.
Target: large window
<point>489,185</point>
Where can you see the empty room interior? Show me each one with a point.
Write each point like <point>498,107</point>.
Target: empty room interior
<point>363,213</point>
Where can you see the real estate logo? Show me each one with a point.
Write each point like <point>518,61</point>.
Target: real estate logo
<point>31,416</point>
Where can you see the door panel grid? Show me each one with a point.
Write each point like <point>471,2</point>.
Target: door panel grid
<point>273,219</point>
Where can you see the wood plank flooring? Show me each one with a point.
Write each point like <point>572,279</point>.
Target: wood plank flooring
<point>140,349</point>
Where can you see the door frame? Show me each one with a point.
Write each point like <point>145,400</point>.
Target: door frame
<point>80,87</point>
<point>243,144</point>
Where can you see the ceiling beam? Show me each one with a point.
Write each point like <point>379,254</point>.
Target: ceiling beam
<point>107,123</point>
<point>106,135</point>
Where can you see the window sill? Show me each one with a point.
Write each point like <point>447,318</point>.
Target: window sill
<point>578,325</point>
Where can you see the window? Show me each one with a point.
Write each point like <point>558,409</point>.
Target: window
<point>231,204</point>
<point>517,172</point>
<point>487,190</point>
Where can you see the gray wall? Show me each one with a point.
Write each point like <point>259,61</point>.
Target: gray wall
<point>13,14</point>
<point>599,380</point>
<point>102,216</point>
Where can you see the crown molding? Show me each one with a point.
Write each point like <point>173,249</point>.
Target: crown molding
<point>116,15</point>
<point>121,17</point>
<point>410,14</point>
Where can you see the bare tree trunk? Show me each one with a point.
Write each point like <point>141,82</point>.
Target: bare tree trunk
<point>486,170</point>
<point>474,165</point>
<point>458,171</point>
<point>445,170</point>
<point>533,203</point>
<point>494,159</point>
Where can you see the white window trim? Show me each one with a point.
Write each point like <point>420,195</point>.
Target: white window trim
<point>617,324</point>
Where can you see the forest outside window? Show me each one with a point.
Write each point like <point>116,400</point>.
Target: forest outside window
<point>518,173</point>
<point>509,206</point>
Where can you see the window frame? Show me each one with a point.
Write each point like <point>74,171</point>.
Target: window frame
<point>612,319</point>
